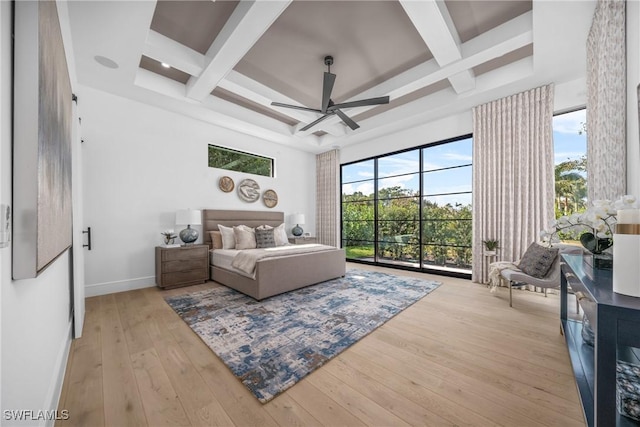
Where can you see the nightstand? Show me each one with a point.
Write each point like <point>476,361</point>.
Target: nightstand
<point>183,266</point>
<point>302,240</point>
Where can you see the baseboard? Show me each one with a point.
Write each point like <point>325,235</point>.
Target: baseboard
<point>57,379</point>
<point>119,286</point>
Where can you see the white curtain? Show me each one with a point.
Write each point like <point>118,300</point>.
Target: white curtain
<point>513,175</point>
<point>606,102</point>
<point>327,194</point>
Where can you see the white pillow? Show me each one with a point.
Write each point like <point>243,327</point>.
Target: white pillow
<point>280,235</point>
<point>245,237</point>
<point>228,237</point>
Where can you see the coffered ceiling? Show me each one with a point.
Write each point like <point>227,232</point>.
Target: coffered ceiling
<point>228,60</point>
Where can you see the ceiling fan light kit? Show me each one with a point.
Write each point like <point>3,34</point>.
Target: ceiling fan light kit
<point>328,108</point>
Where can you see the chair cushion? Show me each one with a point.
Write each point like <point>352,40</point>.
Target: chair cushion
<point>537,260</point>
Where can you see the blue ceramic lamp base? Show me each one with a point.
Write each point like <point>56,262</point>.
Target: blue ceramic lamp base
<point>189,235</point>
<point>297,230</point>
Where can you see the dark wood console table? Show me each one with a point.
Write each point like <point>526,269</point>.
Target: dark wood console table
<point>615,320</point>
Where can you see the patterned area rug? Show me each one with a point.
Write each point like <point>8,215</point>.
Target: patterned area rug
<point>272,344</point>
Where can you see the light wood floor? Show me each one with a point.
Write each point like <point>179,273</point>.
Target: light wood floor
<point>460,356</point>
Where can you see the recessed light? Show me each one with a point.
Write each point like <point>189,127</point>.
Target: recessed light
<point>106,62</point>
<point>165,65</point>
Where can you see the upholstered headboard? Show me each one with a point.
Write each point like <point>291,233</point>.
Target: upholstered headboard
<point>212,217</point>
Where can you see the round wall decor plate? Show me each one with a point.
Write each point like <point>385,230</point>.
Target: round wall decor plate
<point>270,198</point>
<point>226,184</point>
<point>248,190</point>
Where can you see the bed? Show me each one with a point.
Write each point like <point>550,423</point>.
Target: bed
<point>274,275</point>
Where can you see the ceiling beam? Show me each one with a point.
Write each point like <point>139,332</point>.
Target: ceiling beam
<point>177,55</point>
<point>511,35</point>
<point>433,22</point>
<point>245,26</point>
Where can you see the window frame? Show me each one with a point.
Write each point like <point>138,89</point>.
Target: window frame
<point>375,243</point>
<point>272,160</point>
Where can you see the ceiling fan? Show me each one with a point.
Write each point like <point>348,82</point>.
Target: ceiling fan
<point>328,108</point>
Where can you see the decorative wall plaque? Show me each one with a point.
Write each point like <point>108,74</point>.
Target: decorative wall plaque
<point>226,184</point>
<point>248,190</point>
<point>270,198</point>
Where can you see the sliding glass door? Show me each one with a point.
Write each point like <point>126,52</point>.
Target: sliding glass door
<point>410,209</point>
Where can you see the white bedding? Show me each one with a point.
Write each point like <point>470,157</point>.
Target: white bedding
<point>244,261</point>
<point>223,258</point>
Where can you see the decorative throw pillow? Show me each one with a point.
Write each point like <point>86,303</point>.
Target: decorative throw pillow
<point>228,237</point>
<point>264,238</point>
<point>537,260</point>
<point>280,235</point>
<point>245,237</point>
<point>216,239</point>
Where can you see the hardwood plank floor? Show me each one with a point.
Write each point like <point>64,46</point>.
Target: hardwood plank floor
<point>460,356</point>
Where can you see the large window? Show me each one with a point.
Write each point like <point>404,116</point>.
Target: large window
<point>239,161</point>
<point>410,209</point>
<point>570,149</point>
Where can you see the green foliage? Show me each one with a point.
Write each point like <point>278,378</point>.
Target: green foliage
<point>446,229</point>
<point>491,244</point>
<point>224,158</point>
<point>571,187</point>
<point>355,252</point>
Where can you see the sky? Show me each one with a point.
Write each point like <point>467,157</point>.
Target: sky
<point>568,143</point>
<point>401,169</point>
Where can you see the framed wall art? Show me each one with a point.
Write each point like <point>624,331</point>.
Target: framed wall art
<point>42,107</point>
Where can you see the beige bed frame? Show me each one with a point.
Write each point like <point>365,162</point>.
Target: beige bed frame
<point>273,275</point>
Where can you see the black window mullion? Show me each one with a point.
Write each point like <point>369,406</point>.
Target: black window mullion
<point>421,187</point>
<point>375,210</point>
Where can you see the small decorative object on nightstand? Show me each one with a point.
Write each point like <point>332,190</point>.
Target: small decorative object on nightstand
<point>297,219</point>
<point>169,237</point>
<point>189,217</point>
<point>181,266</point>
<point>303,240</point>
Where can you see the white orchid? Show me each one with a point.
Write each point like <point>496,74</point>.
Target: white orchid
<point>598,220</point>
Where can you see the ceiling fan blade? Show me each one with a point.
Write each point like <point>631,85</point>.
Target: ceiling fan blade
<point>296,107</point>
<point>361,103</point>
<point>347,120</point>
<point>312,124</point>
<point>327,87</point>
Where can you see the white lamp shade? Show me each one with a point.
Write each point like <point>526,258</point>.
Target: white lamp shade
<point>297,218</point>
<point>188,217</point>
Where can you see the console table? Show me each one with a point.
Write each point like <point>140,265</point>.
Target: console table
<point>615,320</point>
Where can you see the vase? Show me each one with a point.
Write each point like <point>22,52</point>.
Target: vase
<point>587,332</point>
<point>595,245</point>
<point>169,240</point>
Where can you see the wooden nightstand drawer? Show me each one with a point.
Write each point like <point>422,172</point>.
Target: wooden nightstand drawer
<point>302,240</point>
<point>184,253</point>
<point>183,266</point>
<point>181,278</point>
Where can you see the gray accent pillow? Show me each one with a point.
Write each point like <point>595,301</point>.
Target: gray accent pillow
<point>537,260</point>
<point>265,238</point>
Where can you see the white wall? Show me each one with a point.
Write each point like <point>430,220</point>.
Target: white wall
<point>633,79</point>
<point>34,319</point>
<point>142,163</point>
<point>569,95</point>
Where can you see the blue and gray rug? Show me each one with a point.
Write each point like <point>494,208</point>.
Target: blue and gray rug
<point>272,344</point>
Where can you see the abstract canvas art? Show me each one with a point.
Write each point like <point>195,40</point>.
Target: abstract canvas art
<point>42,140</point>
